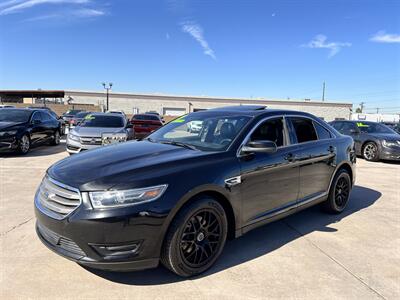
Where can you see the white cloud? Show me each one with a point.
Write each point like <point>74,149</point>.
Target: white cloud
<point>88,12</point>
<point>320,41</point>
<point>14,6</point>
<point>383,37</point>
<point>196,31</point>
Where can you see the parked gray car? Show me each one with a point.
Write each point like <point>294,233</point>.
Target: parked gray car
<point>373,141</point>
<point>98,129</point>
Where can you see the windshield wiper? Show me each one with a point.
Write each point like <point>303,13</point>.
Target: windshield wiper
<point>179,144</point>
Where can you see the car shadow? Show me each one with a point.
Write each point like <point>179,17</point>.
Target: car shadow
<point>42,150</point>
<point>256,243</point>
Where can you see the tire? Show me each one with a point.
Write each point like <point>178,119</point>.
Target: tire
<point>189,254</point>
<point>24,144</point>
<point>339,193</point>
<point>55,139</point>
<point>370,152</point>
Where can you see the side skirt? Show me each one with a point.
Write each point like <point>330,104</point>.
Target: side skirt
<point>284,212</point>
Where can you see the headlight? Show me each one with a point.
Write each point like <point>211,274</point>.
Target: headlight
<point>73,137</point>
<point>390,143</point>
<point>126,197</point>
<point>11,132</point>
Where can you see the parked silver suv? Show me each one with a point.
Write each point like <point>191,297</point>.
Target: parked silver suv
<point>99,129</point>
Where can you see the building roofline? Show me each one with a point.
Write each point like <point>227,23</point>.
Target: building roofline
<point>187,98</point>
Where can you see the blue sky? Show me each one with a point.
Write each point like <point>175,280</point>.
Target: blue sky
<point>233,48</point>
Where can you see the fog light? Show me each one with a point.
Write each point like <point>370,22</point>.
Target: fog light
<point>117,251</point>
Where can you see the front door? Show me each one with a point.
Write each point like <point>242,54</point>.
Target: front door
<point>269,181</point>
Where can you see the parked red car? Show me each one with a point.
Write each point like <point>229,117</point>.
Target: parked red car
<point>144,124</point>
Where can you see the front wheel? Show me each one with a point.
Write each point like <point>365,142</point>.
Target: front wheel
<point>370,152</point>
<point>339,193</point>
<point>24,144</point>
<point>195,238</point>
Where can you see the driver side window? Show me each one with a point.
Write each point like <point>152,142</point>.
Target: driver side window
<point>270,130</point>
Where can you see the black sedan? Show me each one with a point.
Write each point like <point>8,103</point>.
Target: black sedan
<point>374,141</point>
<point>21,129</point>
<point>177,196</point>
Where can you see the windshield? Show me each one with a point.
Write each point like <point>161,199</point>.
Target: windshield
<point>369,127</point>
<point>71,112</point>
<point>82,114</point>
<point>146,117</point>
<point>204,131</point>
<point>102,121</point>
<point>14,115</point>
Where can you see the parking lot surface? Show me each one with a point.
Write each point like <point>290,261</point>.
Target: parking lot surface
<point>355,255</point>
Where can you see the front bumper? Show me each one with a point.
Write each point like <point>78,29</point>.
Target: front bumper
<point>74,147</point>
<point>9,143</point>
<point>84,235</point>
<point>387,153</point>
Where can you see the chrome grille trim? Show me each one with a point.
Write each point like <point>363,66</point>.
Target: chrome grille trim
<point>91,140</point>
<point>57,200</point>
<point>59,241</point>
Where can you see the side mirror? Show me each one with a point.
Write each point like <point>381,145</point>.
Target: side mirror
<point>128,125</point>
<point>259,146</point>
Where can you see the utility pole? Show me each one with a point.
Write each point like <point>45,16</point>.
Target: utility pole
<point>323,91</point>
<point>107,87</point>
<point>362,106</point>
<point>377,110</point>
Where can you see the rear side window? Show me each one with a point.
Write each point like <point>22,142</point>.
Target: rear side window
<point>336,125</point>
<point>304,130</point>
<point>322,133</point>
<point>348,128</point>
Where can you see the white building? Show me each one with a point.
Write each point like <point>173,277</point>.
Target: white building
<point>177,105</point>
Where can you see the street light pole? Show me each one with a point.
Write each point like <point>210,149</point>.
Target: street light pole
<point>107,87</point>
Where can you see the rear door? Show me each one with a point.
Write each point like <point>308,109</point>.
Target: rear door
<point>315,156</point>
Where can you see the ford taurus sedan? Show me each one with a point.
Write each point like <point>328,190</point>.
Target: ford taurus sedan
<point>177,196</point>
<point>373,141</point>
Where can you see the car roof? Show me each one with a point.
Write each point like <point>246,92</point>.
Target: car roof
<point>106,114</point>
<point>255,110</point>
<point>355,121</point>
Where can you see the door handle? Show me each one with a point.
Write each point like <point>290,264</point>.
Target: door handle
<point>332,149</point>
<point>289,157</point>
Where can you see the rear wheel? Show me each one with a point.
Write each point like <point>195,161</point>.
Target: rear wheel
<point>370,152</point>
<point>24,144</point>
<point>339,193</point>
<point>56,138</point>
<point>195,238</point>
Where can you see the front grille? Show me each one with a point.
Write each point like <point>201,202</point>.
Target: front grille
<point>59,241</point>
<point>91,140</point>
<point>56,199</point>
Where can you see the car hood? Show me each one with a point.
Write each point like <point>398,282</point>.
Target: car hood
<point>9,125</point>
<point>386,136</point>
<point>136,163</point>
<point>96,131</point>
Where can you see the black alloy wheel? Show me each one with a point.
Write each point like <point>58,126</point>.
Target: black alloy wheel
<point>196,238</point>
<point>339,193</point>
<point>342,191</point>
<point>370,152</point>
<point>200,238</point>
